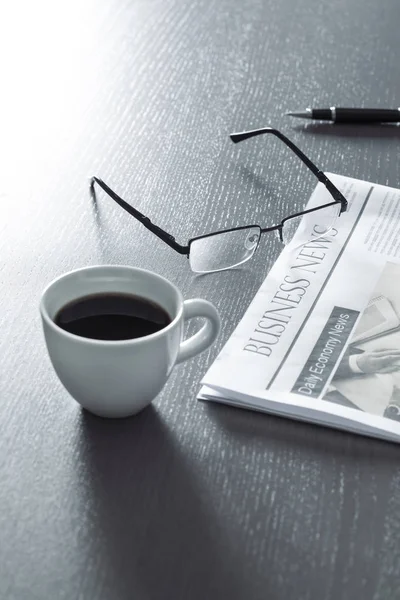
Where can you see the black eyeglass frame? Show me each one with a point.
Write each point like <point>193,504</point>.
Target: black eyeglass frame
<point>169,239</point>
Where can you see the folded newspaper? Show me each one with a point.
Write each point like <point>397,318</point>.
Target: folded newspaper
<point>320,341</point>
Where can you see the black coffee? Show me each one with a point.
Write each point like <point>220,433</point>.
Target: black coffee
<point>112,316</point>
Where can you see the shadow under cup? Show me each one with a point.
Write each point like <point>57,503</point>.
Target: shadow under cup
<point>113,378</point>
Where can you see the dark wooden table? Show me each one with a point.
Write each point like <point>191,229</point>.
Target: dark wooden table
<point>186,500</point>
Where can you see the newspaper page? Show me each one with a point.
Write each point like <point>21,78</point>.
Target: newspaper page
<point>321,339</point>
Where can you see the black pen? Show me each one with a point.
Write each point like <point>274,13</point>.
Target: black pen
<point>350,115</point>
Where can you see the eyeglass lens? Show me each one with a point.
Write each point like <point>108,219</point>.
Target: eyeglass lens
<point>312,225</point>
<point>223,250</point>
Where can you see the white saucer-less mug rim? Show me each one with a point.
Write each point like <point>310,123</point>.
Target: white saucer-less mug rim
<point>116,343</point>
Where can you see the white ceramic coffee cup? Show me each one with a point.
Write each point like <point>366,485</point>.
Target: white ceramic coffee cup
<point>119,378</point>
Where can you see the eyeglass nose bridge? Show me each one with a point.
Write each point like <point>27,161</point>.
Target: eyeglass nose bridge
<point>276,229</point>
<point>279,232</point>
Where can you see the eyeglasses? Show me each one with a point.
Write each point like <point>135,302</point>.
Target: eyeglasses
<point>229,248</point>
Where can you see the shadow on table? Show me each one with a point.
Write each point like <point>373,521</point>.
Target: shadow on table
<point>278,432</point>
<point>154,534</point>
<point>350,130</point>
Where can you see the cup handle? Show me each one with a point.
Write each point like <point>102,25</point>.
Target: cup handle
<point>206,335</point>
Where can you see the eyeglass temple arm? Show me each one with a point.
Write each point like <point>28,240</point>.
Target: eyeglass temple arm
<point>245,135</point>
<point>160,233</point>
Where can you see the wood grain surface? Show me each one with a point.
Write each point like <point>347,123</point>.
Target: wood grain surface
<point>185,501</point>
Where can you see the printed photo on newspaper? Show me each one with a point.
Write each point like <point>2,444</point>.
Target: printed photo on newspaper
<point>321,339</point>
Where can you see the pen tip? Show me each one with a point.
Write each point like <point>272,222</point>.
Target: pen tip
<point>301,115</point>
